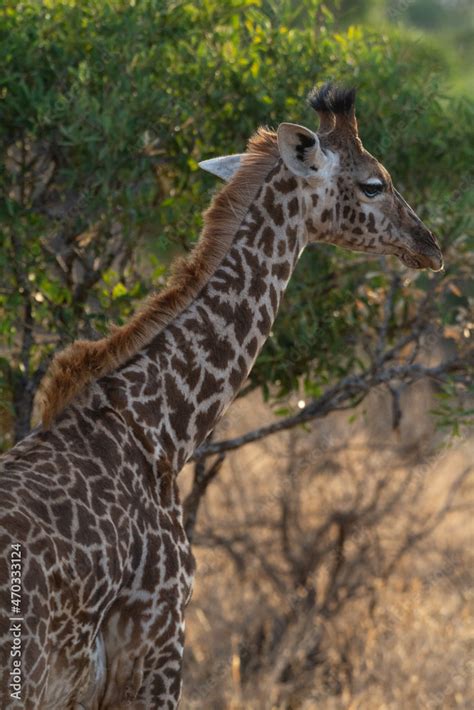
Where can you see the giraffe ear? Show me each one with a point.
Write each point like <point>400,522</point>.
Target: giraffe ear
<point>300,150</point>
<point>224,167</point>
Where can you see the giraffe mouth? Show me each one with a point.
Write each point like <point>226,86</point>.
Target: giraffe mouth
<point>433,261</point>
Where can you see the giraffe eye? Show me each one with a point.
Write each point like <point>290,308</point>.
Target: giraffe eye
<point>371,189</point>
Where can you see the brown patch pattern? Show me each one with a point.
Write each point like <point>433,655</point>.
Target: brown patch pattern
<point>85,361</point>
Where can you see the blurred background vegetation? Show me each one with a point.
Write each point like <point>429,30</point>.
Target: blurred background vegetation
<point>106,107</point>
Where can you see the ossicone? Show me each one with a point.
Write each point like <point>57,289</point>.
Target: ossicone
<point>335,106</point>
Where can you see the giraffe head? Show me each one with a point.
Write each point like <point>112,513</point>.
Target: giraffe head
<point>348,196</point>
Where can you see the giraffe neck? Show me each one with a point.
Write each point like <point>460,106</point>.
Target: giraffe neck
<point>178,386</point>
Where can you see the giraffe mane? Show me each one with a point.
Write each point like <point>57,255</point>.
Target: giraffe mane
<point>85,361</point>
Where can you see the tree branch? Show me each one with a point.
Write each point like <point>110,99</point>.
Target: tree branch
<point>202,479</point>
<point>335,398</point>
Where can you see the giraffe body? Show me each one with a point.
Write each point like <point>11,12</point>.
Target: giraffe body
<point>107,569</point>
<point>92,499</point>
<point>110,461</point>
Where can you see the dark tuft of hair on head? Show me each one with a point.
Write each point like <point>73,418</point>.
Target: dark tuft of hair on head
<point>332,99</point>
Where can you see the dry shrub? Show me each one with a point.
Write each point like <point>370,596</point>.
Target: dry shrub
<point>334,567</point>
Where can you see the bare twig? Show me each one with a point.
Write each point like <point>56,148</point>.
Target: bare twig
<point>335,398</point>
<point>387,315</point>
<point>396,407</point>
<point>202,478</point>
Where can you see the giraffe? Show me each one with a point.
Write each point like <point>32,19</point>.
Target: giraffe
<point>90,518</point>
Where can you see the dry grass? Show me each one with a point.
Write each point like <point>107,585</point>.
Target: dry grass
<point>334,567</point>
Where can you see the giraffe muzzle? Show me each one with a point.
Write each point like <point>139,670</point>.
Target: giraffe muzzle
<point>433,260</point>
<point>422,250</point>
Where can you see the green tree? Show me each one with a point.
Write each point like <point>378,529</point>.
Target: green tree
<point>105,110</point>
